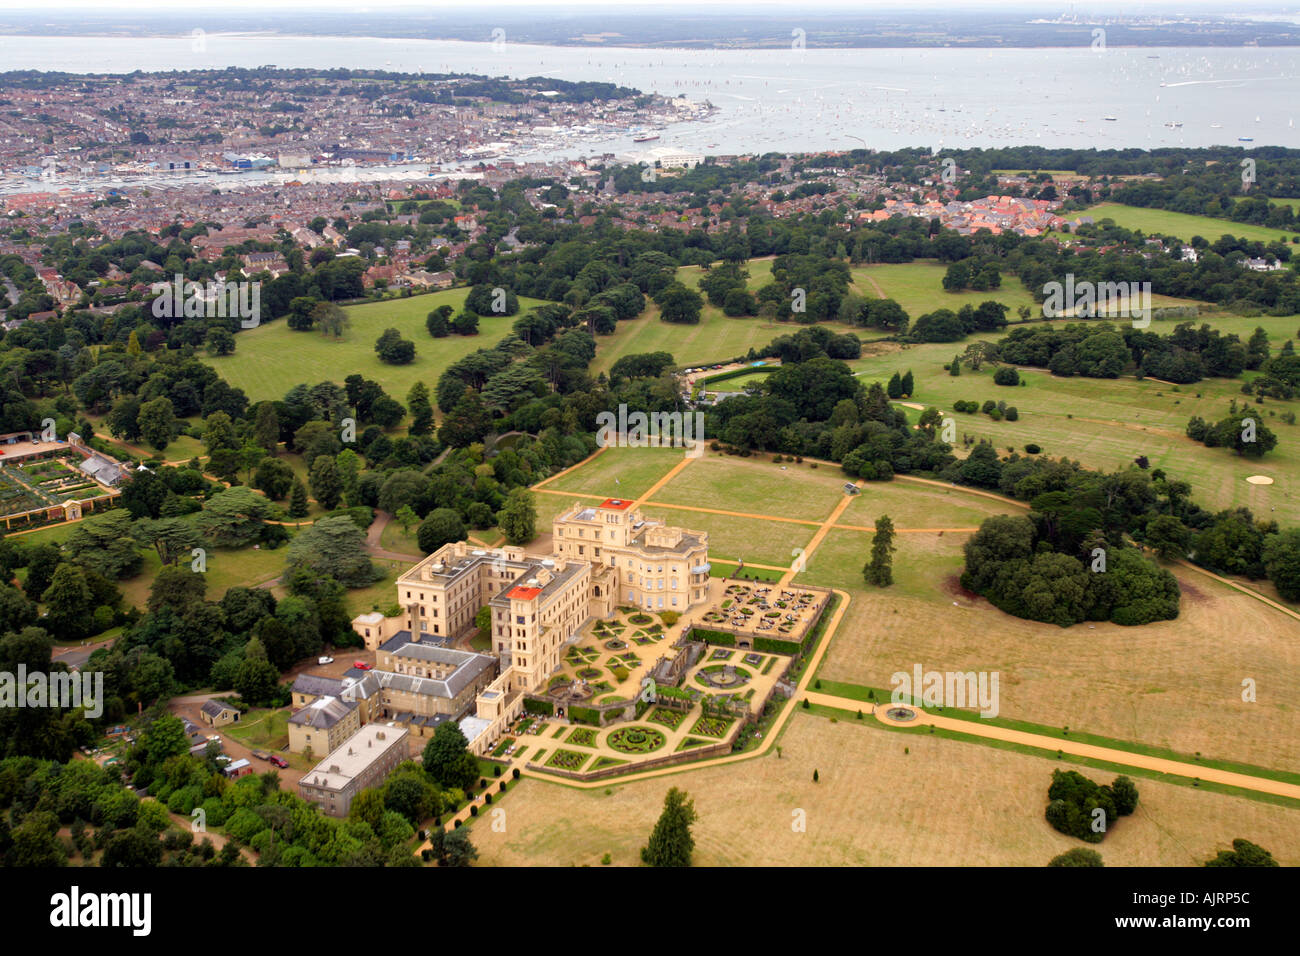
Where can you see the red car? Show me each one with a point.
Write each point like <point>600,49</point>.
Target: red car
<point>362,665</point>
<point>278,761</point>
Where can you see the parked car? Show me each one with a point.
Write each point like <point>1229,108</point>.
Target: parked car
<point>362,665</point>
<point>324,660</point>
<point>277,760</point>
<point>261,755</point>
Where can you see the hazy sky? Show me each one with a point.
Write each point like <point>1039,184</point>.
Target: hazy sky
<point>1233,7</point>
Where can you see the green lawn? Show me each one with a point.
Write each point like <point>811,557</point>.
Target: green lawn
<point>1182,225</point>
<point>261,728</point>
<point>181,448</point>
<point>272,358</point>
<point>393,539</point>
<point>379,595</point>
<point>756,485</point>
<point>921,562</point>
<point>912,505</point>
<point>918,288</point>
<point>739,383</point>
<point>717,339</point>
<point>760,542</point>
<point>1107,423</point>
<point>248,567</point>
<point>636,470</point>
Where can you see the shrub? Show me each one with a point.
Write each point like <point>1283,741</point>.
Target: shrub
<point>1012,413</point>
<point>1006,375</point>
<point>1032,449</point>
<point>1079,856</point>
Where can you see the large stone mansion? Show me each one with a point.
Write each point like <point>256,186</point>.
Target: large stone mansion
<point>601,557</point>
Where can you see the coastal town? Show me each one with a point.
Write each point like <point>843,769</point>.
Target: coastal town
<point>219,128</point>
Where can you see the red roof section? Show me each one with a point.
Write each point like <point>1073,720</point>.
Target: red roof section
<point>522,593</point>
<point>616,504</point>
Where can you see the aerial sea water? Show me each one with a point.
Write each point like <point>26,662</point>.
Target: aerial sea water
<point>809,99</point>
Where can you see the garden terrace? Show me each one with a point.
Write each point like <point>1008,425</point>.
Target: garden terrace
<point>756,616</point>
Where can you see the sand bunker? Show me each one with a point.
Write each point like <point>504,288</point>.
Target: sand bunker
<point>1260,480</point>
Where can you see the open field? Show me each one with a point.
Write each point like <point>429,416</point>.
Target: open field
<point>636,471</point>
<point>1107,423</point>
<point>756,541</point>
<point>913,505</point>
<point>918,288</point>
<point>718,338</point>
<point>1174,684</point>
<point>755,484</point>
<point>272,358</point>
<point>945,803</point>
<point>1182,225</point>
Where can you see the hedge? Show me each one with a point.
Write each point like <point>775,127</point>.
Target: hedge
<point>585,715</point>
<point>736,373</point>
<point>538,706</point>
<point>774,646</point>
<point>713,637</point>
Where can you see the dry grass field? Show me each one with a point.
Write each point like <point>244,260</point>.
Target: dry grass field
<point>1173,684</point>
<point>945,803</point>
